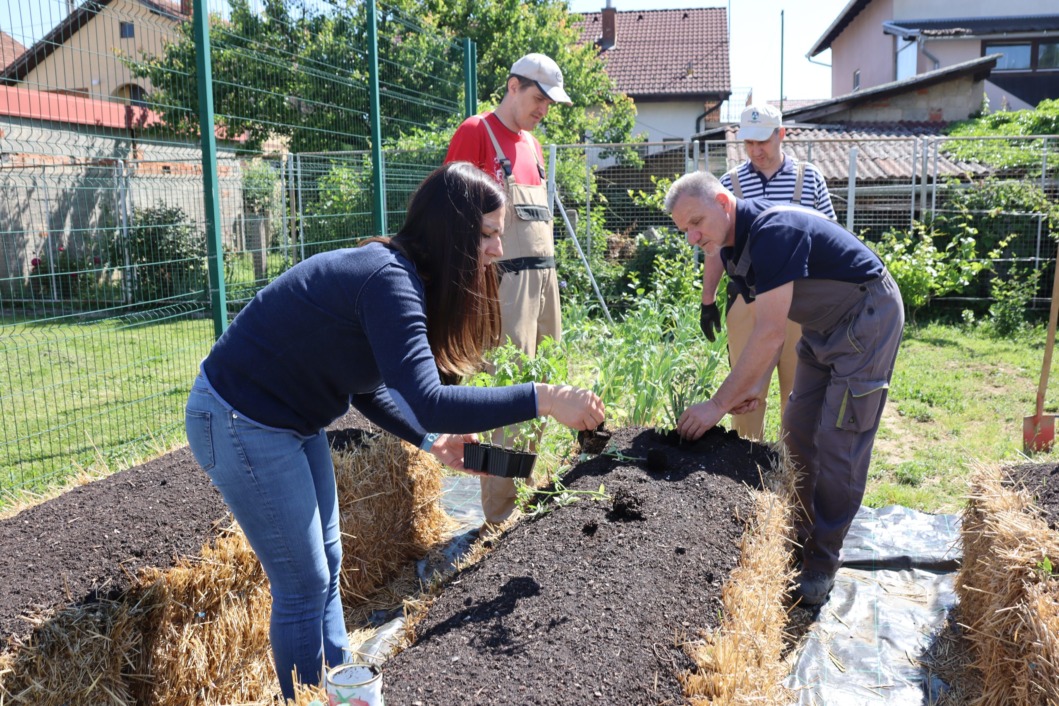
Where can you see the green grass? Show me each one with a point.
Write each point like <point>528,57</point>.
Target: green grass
<point>97,396</point>
<point>957,402</point>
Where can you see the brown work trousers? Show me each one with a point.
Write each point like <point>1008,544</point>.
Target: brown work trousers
<point>529,312</point>
<point>740,324</point>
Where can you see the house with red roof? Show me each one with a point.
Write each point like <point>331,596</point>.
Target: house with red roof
<point>85,53</point>
<point>672,63</point>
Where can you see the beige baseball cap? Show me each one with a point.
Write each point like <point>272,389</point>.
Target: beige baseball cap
<point>758,122</point>
<point>546,73</point>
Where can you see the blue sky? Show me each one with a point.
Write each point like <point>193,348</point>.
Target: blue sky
<point>755,41</point>
<point>755,37</point>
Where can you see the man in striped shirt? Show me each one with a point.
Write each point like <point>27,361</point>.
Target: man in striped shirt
<point>768,173</point>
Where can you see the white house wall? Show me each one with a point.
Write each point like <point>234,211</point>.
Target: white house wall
<point>668,120</point>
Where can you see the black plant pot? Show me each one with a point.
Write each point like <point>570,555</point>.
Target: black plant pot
<point>498,461</point>
<point>475,456</point>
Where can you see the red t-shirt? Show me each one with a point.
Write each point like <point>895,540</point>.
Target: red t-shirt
<point>471,143</point>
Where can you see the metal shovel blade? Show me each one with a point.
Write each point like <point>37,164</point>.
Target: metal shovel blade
<point>1038,433</point>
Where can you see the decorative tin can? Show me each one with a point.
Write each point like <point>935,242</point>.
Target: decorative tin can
<point>355,684</point>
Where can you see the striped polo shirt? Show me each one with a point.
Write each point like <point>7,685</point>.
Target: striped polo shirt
<point>780,188</point>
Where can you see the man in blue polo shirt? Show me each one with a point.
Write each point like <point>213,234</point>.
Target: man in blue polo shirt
<point>797,264</point>
<point>771,174</point>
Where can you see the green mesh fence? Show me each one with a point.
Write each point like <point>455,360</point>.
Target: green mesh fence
<point>105,307</point>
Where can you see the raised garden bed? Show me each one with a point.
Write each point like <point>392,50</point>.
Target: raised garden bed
<point>602,600</point>
<point>634,597</point>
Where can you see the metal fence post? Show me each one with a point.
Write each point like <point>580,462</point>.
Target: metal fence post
<point>851,189</point>
<point>378,181</point>
<point>211,196</point>
<point>123,217</point>
<point>292,207</point>
<point>912,210</point>
<point>470,79</point>
<point>934,177</point>
<point>923,182</point>
<point>551,178</point>
<point>588,197</point>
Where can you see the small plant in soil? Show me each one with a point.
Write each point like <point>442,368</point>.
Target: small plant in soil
<point>536,502</point>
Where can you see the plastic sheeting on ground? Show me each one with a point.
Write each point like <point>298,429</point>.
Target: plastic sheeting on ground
<point>891,598</point>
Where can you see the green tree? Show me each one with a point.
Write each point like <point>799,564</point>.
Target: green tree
<point>298,72</point>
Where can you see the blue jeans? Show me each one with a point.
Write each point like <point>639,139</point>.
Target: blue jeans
<point>280,486</point>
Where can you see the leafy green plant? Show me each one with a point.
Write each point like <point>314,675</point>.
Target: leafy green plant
<point>510,365</point>
<point>165,254</point>
<point>926,264</point>
<point>64,274</point>
<point>260,182</point>
<point>655,360</point>
<point>1004,153</point>
<point>1011,299</point>
<point>537,502</point>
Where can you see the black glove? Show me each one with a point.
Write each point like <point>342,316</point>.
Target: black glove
<point>710,321</point>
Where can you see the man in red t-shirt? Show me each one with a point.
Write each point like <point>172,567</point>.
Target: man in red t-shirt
<point>500,144</point>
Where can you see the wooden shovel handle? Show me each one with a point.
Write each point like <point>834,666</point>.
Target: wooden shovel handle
<point>1050,343</point>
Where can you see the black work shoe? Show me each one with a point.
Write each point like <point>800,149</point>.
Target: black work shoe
<point>813,587</point>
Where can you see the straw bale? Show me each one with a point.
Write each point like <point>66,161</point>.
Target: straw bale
<point>1007,600</point>
<point>198,633</point>
<point>82,655</point>
<point>209,627</point>
<point>741,662</point>
<point>389,495</point>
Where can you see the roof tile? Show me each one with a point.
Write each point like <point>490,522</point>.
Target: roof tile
<point>666,52</point>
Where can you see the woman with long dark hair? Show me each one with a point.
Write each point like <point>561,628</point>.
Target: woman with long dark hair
<point>386,327</point>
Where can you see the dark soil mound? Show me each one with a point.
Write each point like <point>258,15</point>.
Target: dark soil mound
<point>1041,480</point>
<point>588,603</point>
<point>89,542</point>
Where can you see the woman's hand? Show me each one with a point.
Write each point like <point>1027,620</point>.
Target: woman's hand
<point>571,406</point>
<point>448,448</point>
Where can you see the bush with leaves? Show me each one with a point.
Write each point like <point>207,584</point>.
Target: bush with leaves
<point>927,263</point>
<point>1005,153</point>
<point>163,255</point>
<point>64,274</point>
<point>1011,301</point>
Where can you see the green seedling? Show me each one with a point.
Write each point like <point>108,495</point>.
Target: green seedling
<point>541,502</point>
<point>614,452</point>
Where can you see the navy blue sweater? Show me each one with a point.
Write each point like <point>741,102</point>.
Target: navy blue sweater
<point>349,327</point>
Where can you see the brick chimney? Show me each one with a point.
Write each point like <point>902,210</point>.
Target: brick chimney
<point>608,32</point>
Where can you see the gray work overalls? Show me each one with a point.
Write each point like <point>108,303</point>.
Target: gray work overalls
<point>529,296</point>
<point>850,336</point>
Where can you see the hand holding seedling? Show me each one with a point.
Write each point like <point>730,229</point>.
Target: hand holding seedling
<point>570,406</point>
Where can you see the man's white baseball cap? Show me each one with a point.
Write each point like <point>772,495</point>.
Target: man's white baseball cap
<point>545,72</point>
<point>758,122</point>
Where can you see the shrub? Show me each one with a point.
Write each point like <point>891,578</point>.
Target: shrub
<point>64,274</point>
<point>926,263</point>
<point>164,254</point>
<point>1011,300</point>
